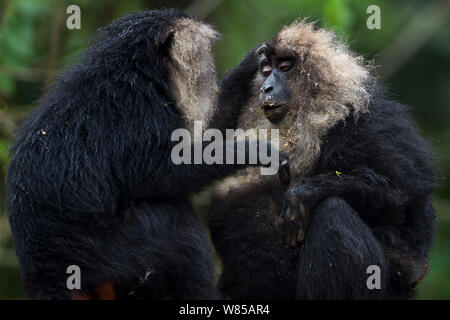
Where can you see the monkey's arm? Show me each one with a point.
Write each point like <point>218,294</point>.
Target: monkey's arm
<point>186,178</point>
<point>361,185</point>
<point>235,90</point>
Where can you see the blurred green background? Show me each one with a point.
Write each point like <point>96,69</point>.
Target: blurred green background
<point>412,49</point>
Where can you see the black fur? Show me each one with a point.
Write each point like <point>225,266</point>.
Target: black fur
<point>91,182</point>
<point>378,212</point>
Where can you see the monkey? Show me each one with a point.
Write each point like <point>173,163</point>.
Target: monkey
<point>361,181</point>
<point>91,182</point>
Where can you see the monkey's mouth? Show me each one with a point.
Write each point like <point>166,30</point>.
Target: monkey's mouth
<point>274,112</point>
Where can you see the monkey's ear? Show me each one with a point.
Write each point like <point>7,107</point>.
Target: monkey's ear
<point>164,38</point>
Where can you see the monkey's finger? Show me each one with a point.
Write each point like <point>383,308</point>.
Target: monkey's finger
<point>302,210</point>
<point>287,239</point>
<point>294,225</point>
<point>291,240</point>
<point>300,235</point>
<point>260,48</point>
<point>286,212</point>
<point>291,231</point>
<point>284,173</point>
<point>294,242</point>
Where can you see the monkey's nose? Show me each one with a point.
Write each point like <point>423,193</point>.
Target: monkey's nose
<point>266,89</point>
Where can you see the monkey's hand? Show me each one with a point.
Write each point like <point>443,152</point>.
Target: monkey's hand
<point>237,84</point>
<point>297,204</point>
<point>235,91</point>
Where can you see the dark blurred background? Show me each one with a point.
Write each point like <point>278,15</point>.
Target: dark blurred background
<point>412,49</point>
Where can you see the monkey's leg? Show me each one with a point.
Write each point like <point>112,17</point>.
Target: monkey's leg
<point>337,250</point>
<point>193,260</point>
<point>160,250</point>
<point>156,251</point>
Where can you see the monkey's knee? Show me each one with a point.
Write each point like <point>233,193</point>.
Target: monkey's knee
<point>334,209</point>
<point>343,248</point>
<point>335,224</point>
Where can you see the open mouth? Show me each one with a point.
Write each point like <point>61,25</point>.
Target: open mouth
<point>268,106</point>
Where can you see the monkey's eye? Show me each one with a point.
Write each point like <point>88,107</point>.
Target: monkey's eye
<point>266,70</point>
<point>285,65</point>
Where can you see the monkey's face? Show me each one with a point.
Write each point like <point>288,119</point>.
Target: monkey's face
<point>276,71</point>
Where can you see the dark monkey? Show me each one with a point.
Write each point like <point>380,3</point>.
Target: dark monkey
<point>91,182</point>
<point>362,179</point>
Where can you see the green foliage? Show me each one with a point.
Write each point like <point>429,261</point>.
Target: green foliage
<point>4,145</point>
<point>337,14</point>
<point>18,31</point>
<point>437,284</point>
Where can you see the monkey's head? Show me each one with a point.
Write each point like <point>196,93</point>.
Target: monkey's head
<point>192,69</point>
<point>307,82</point>
<point>167,49</point>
